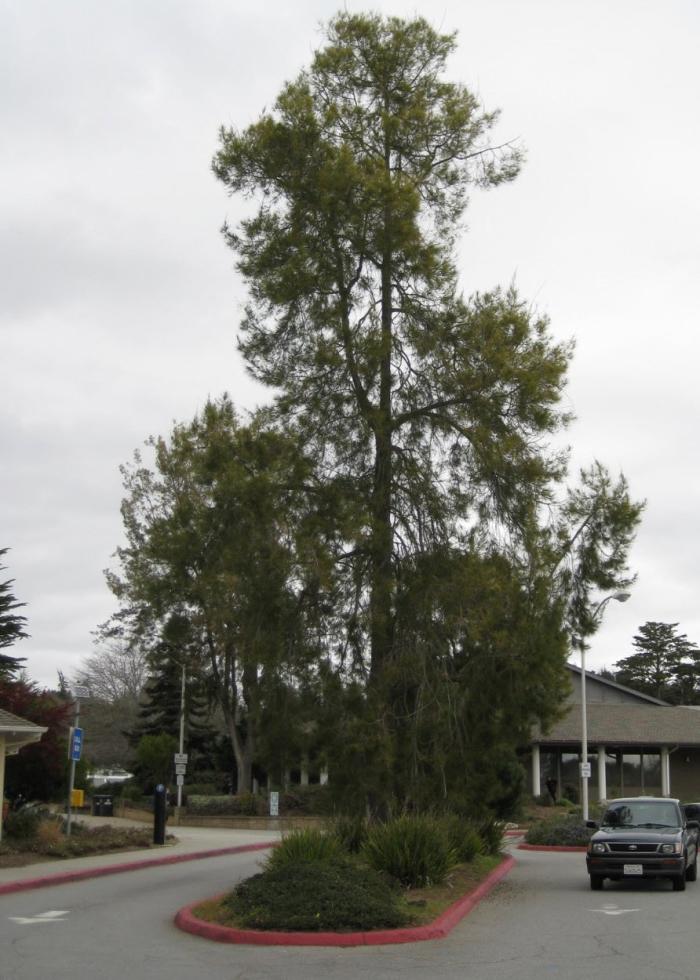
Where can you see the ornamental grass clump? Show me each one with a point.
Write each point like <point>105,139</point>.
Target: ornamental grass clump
<point>315,897</point>
<point>306,847</point>
<point>415,850</point>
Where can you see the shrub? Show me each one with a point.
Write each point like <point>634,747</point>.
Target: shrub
<point>313,800</point>
<point>244,805</point>
<point>314,897</point>
<point>202,789</point>
<point>350,831</point>
<point>413,849</point>
<point>306,847</point>
<point>491,834</point>
<point>463,837</point>
<point>563,831</point>
<point>22,825</point>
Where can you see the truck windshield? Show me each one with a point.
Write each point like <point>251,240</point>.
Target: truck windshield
<point>646,814</point>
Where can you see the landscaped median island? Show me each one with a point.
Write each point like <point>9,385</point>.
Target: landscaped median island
<point>410,879</point>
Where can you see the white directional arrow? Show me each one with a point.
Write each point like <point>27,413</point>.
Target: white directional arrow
<point>613,910</point>
<point>54,916</point>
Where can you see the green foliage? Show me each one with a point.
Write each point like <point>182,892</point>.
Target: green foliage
<point>209,575</point>
<point>491,834</point>
<point>154,756</point>
<point>425,413</point>
<point>312,800</point>
<point>351,831</point>
<point>665,665</point>
<point>11,625</point>
<point>22,824</point>
<point>464,837</point>
<point>415,850</point>
<point>245,804</point>
<point>316,897</point>
<point>304,847</point>
<point>560,830</point>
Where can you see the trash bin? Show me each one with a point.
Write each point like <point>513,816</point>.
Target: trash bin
<point>103,806</point>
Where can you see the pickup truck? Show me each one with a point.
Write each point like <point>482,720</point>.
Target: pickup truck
<point>643,837</point>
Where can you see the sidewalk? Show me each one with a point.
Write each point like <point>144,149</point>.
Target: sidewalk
<point>192,842</point>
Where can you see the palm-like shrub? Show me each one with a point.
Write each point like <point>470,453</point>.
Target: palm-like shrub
<point>350,831</point>
<point>463,836</point>
<point>305,847</point>
<point>413,849</point>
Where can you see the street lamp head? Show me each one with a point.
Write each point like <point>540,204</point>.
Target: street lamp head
<point>622,596</point>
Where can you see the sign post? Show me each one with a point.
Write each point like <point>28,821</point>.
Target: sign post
<point>75,748</point>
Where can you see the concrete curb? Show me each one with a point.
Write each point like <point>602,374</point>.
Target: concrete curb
<point>65,877</point>
<point>552,847</point>
<point>437,929</point>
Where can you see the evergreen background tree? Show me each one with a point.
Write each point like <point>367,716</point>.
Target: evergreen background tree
<point>11,625</point>
<point>666,664</point>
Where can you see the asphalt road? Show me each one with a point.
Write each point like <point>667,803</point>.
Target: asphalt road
<point>541,921</point>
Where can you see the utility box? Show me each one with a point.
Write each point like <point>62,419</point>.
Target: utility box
<point>77,797</point>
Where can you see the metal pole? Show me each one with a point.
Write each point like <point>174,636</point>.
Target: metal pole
<point>584,735</point>
<point>618,597</point>
<point>182,731</point>
<point>71,778</point>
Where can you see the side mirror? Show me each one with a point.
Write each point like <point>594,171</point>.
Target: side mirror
<point>693,824</point>
<point>592,825</point>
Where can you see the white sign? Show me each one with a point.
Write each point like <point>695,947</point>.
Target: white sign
<point>585,769</point>
<point>180,769</point>
<point>274,804</point>
<point>180,758</point>
<point>180,780</point>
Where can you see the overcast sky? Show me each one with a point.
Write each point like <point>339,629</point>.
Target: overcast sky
<point>119,303</point>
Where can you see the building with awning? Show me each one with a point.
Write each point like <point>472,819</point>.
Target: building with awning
<point>637,745</point>
<point>15,733</point>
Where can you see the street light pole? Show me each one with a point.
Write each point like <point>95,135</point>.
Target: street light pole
<point>585,765</point>
<point>182,732</point>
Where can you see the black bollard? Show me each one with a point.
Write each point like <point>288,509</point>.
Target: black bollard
<point>159,813</point>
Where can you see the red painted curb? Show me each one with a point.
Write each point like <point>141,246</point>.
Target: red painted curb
<point>65,877</point>
<point>551,847</point>
<point>437,929</point>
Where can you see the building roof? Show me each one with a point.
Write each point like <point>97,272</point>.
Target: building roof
<point>620,725</point>
<point>16,731</point>
<point>598,679</point>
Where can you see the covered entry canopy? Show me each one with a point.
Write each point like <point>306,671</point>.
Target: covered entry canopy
<point>14,734</point>
<point>635,743</point>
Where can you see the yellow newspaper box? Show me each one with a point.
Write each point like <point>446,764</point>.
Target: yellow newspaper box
<point>77,797</point>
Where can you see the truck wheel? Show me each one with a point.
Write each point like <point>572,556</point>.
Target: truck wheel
<point>596,883</point>
<point>679,883</point>
<point>691,872</point>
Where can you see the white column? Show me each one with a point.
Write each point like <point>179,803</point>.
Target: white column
<point>323,777</point>
<point>665,772</point>
<point>602,783</point>
<point>536,783</point>
<point>304,779</point>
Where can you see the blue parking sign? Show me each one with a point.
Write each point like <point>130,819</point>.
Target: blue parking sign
<point>76,744</point>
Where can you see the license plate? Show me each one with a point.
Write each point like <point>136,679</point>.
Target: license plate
<point>632,869</point>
